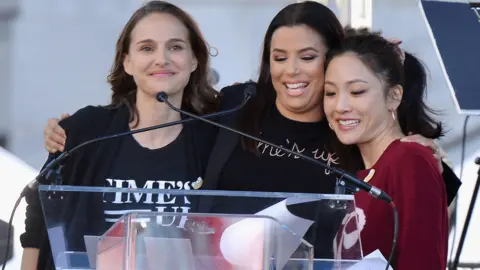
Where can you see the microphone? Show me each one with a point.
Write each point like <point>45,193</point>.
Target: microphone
<point>249,92</point>
<point>372,190</point>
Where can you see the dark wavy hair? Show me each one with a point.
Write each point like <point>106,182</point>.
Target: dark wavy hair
<point>309,13</point>
<point>199,96</point>
<point>382,57</point>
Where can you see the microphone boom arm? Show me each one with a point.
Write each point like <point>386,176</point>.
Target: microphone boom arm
<point>375,192</point>
<point>63,156</point>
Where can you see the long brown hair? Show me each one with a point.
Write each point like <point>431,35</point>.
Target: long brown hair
<point>199,96</point>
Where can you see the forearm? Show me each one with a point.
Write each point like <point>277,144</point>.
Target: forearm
<point>30,259</point>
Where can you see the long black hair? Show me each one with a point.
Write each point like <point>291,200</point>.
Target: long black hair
<point>382,57</point>
<point>312,14</point>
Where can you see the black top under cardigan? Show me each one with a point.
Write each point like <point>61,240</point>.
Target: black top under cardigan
<point>90,165</point>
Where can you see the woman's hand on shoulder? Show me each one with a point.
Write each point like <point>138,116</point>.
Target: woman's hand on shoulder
<point>433,144</point>
<point>54,135</point>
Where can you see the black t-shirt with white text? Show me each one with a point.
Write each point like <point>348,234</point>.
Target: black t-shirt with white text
<point>139,167</point>
<point>278,171</point>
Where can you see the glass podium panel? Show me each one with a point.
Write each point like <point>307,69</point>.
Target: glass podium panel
<point>198,229</point>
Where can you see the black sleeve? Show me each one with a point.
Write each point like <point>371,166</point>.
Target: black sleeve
<point>75,127</point>
<point>232,96</point>
<point>452,182</point>
<point>34,222</point>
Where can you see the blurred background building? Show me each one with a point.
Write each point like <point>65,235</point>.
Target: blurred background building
<point>55,56</point>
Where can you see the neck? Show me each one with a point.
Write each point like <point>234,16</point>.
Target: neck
<point>372,150</point>
<point>311,116</point>
<point>151,113</point>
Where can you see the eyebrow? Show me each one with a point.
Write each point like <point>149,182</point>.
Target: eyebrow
<point>149,40</point>
<point>356,81</point>
<point>300,51</point>
<point>349,82</point>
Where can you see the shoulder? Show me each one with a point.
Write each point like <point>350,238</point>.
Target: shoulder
<point>88,115</point>
<point>89,122</point>
<point>413,165</point>
<point>232,95</point>
<point>402,153</point>
<point>203,130</point>
<point>204,134</point>
<point>236,89</point>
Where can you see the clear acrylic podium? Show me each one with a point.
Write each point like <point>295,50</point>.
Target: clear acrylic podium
<point>198,230</point>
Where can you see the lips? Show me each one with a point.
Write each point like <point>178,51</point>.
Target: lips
<point>162,74</point>
<point>348,124</point>
<point>296,89</point>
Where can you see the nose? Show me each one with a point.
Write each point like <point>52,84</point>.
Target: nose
<point>343,103</point>
<point>161,57</point>
<point>292,67</point>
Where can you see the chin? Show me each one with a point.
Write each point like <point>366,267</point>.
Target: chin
<point>347,140</point>
<point>169,90</point>
<point>296,105</point>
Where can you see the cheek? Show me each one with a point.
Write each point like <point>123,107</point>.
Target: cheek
<point>315,70</point>
<point>182,62</point>
<point>329,106</point>
<point>276,71</point>
<point>378,112</point>
<point>373,105</point>
<point>372,112</point>
<point>139,64</point>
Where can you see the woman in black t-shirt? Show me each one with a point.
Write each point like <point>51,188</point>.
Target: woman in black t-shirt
<point>159,49</point>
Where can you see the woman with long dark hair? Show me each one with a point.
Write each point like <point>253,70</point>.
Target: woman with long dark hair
<point>372,99</point>
<point>160,48</point>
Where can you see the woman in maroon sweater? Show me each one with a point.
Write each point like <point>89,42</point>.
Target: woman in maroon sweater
<point>371,104</point>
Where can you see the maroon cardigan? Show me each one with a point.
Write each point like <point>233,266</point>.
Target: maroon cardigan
<point>409,173</point>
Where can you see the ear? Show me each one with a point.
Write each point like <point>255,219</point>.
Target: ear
<point>194,64</point>
<point>394,97</point>
<point>127,64</point>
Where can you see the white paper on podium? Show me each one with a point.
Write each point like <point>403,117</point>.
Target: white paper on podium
<point>373,261</point>
<point>244,235</point>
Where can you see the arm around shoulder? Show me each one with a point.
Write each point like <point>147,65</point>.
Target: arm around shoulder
<point>233,95</point>
<point>83,121</point>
